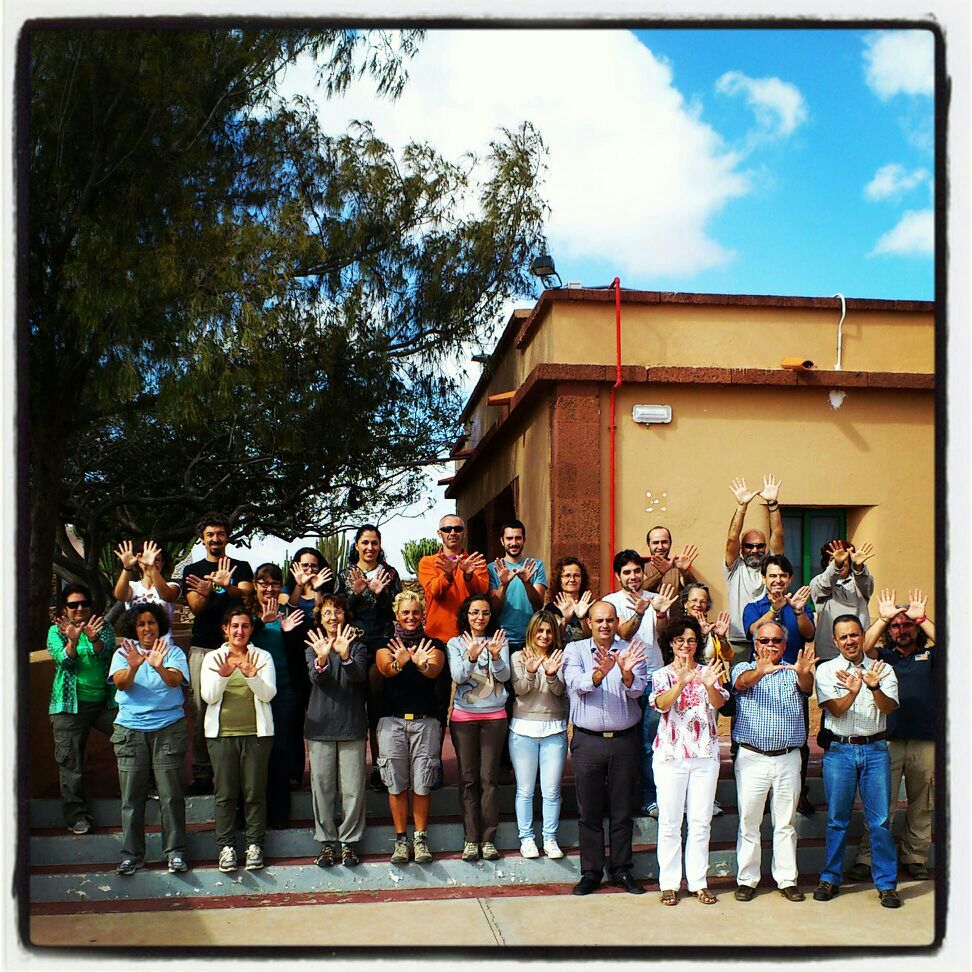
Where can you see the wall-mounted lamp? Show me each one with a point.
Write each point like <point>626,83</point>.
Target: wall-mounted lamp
<point>543,267</point>
<point>652,414</point>
<point>797,364</point>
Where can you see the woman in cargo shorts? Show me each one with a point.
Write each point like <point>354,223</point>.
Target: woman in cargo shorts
<point>409,733</point>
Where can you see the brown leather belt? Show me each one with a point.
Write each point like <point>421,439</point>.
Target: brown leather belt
<point>768,752</point>
<point>859,740</point>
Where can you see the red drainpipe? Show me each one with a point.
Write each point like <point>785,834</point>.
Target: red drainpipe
<point>613,427</point>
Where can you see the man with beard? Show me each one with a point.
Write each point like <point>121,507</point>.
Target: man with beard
<point>744,557</point>
<point>857,693</point>
<point>517,584</point>
<point>211,585</point>
<point>900,638</point>
<point>663,568</point>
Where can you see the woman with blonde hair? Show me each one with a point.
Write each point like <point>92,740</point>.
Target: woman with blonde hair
<point>538,731</point>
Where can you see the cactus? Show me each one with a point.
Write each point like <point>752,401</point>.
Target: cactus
<point>414,550</point>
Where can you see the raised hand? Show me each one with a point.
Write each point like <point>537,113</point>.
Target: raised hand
<point>223,576</point>
<point>132,653</point>
<point>342,642</point>
<point>553,662</point>
<point>687,557</point>
<point>156,655</point>
<point>299,575</point>
<point>70,631</point>
<point>400,652</point>
<point>532,663</point>
<point>292,620</point>
<point>527,571</point>
<point>705,626</point>
<point>224,665</point>
<point>473,645</point>
<point>247,665</point>
<point>564,605</point>
<point>685,671</point>
<point>887,604</point>
<point>124,553</point>
<point>778,601</point>
<point>319,643</point>
<point>916,607</point>
<point>872,676</point>
<point>380,581</point>
<point>664,599</point>
<point>322,577</point>
<point>798,600</point>
<point>359,582</point>
<point>638,602</point>
<point>765,664</point>
<point>604,660</point>
<point>630,656</point>
<point>863,553</point>
<point>496,644</point>
<point>503,572</point>
<point>270,608</point>
<point>199,585</point>
<point>849,680</point>
<point>744,495</point>
<point>150,555</point>
<point>838,552</point>
<point>711,673</point>
<point>423,654</point>
<point>805,662</point>
<point>446,564</point>
<point>771,488</point>
<point>661,563</point>
<point>92,627</point>
<point>721,626</point>
<point>471,563</point>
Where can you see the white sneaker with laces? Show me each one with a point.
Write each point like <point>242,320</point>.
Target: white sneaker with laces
<point>552,849</point>
<point>227,859</point>
<point>528,848</point>
<point>254,857</point>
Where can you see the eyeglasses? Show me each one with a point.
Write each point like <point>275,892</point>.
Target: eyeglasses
<point>451,529</point>
<point>73,605</point>
<point>679,642</point>
<point>769,641</point>
<point>267,583</point>
<point>754,546</point>
<point>307,565</point>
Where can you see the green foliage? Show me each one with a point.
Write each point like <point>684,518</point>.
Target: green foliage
<point>414,550</point>
<point>336,550</point>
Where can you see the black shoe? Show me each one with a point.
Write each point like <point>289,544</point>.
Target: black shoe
<point>889,898</point>
<point>376,785</point>
<point>917,871</point>
<point>860,873</point>
<point>744,892</point>
<point>200,787</point>
<point>326,856</point>
<point>628,883</point>
<point>349,857</point>
<point>825,891</point>
<point>805,806</point>
<point>586,885</point>
<point>792,893</point>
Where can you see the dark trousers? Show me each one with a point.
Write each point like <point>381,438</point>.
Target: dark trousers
<point>287,723</point>
<point>140,754</point>
<point>70,737</point>
<point>240,767</point>
<point>605,777</point>
<point>478,746</point>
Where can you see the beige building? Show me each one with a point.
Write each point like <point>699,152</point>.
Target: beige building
<point>854,445</point>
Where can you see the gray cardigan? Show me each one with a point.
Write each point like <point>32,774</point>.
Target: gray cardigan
<point>336,710</point>
<point>539,697</point>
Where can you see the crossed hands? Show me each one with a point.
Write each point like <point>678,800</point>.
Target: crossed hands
<point>505,573</point>
<point>420,655</point>
<point>226,663</point>
<point>626,659</point>
<point>494,645</point>
<point>797,600</point>
<point>550,663</point>
<point>360,583</point>
<point>322,643</point>
<point>317,581</point>
<point>687,672</point>
<point>134,654</point>
<point>570,608</point>
<point>683,560</point>
<point>221,577</point>
<point>92,628</point>
<point>871,677</point>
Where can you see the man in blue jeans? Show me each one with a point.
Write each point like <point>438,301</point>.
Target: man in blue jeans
<point>856,694</point>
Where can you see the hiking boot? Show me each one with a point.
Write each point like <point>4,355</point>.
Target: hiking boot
<point>400,853</point>
<point>889,898</point>
<point>349,857</point>
<point>470,851</point>
<point>326,856</point>
<point>227,859</point>
<point>420,848</point>
<point>490,853</point>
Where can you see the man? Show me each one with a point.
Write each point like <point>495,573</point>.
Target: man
<point>744,557</point>
<point>769,729</point>
<point>844,586</point>
<point>211,585</point>
<point>517,584</point>
<point>857,694</point>
<point>660,568</point>
<point>643,615</point>
<point>81,646</point>
<point>900,638</point>
<point>604,679</point>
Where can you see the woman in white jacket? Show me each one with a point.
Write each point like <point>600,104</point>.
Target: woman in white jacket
<point>238,682</point>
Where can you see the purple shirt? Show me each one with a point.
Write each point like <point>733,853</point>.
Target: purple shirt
<point>610,707</point>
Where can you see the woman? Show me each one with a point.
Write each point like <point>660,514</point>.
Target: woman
<point>480,666</point>
<point>371,585</point>
<point>144,577</point>
<point>312,578</point>
<point>238,683</point>
<point>569,598</point>
<point>685,758</point>
<point>336,730</point>
<point>538,731</point>
<point>275,633</point>
<point>409,734</point>
<point>150,735</point>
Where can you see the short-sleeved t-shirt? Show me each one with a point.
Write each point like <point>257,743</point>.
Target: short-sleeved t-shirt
<point>270,638</point>
<point>517,609</point>
<point>916,713</point>
<point>788,619</point>
<point>149,703</point>
<point>140,594</point>
<point>745,584</point>
<point>207,631</point>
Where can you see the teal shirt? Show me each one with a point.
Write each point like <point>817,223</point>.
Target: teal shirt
<point>64,691</point>
<point>271,638</point>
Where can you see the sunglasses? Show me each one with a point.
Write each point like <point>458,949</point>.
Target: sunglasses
<point>451,529</point>
<point>754,546</point>
<point>769,641</point>
<point>72,605</point>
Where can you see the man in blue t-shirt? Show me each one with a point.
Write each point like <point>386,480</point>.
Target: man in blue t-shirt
<point>516,584</point>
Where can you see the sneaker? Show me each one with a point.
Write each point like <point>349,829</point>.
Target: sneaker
<point>128,866</point>
<point>376,785</point>
<point>651,810</point>
<point>528,848</point>
<point>177,864</point>
<point>80,826</point>
<point>552,849</point>
<point>889,898</point>
<point>349,857</point>
<point>420,848</point>
<point>227,859</point>
<point>254,857</point>
<point>470,851</point>
<point>200,787</point>
<point>716,808</point>
<point>400,853</point>
<point>490,853</point>
<point>860,873</point>
<point>326,856</point>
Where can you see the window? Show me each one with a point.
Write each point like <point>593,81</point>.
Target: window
<point>805,531</point>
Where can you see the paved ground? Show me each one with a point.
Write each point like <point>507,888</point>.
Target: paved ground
<point>606,918</point>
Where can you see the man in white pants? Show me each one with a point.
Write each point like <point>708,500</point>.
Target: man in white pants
<point>769,729</point>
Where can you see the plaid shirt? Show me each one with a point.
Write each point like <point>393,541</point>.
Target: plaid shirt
<point>64,691</point>
<point>769,715</point>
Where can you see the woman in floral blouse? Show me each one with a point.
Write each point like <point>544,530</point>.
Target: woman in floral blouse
<point>686,758</point>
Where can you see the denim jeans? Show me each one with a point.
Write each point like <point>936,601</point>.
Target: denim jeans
<point>649,729</point>
<point>527,753</point>
<point>845,768</point>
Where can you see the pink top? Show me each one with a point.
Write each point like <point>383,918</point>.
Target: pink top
<point>464,715</point>
<point>688,729</point>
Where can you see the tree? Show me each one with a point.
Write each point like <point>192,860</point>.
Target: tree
<point>230,308</point>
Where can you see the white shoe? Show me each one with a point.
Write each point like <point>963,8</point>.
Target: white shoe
<point>227,859</point>
<point>528,848</point>
<point>552,849</point>
<point>716,808</point>
<point>254,857</point>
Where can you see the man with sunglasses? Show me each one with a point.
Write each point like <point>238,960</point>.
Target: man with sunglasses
<point>81,698</point>
<point>745,556</point>
<point>769,729</point>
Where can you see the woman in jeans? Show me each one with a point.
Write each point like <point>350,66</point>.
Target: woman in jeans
<point>480,666</point>
<point>686,758</point>
<point>150,735</point>
<point>238,683</point>
<point>538,731</point>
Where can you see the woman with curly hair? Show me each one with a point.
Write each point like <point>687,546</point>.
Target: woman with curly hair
<point>569,598</point>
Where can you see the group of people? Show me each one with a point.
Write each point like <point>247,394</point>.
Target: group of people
<point>520,667</point>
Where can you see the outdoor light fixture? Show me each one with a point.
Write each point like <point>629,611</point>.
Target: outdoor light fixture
<point>797,364</point>
<point>543,267</point>
<point>652,414</point>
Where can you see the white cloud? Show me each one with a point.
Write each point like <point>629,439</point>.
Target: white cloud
<point>900,62</point>
<point>778,105</point>
<point>634,176</point>
<point>893,180</point>
<point>914,235</point>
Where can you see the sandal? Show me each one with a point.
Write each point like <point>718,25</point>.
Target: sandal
<point>669,897</point>
<point>705,896</point>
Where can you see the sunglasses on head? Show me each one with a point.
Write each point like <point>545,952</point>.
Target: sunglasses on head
<point>451,529</point>
<point>77,604</point>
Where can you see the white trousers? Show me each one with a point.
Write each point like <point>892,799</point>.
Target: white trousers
<point>756,776</point>
<point>685,787</point>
